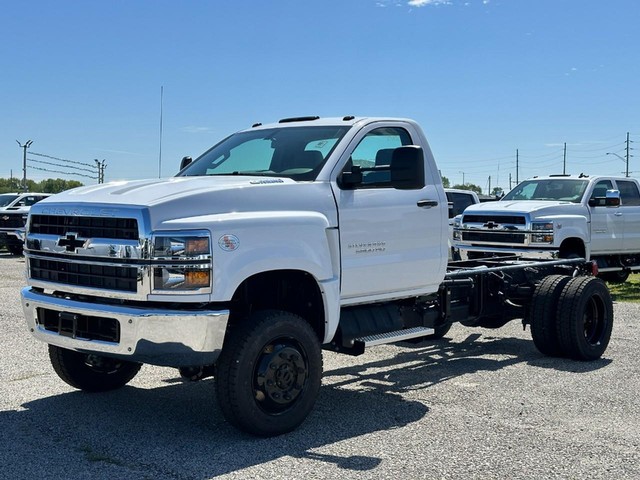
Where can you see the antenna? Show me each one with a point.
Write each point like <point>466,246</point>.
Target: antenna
<point>160,153</point>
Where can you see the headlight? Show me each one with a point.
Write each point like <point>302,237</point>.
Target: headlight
<point>537,226</point>
<point>542,232</point>
<point>182,263</point>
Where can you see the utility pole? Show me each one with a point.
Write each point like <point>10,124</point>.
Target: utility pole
<point>627,172</point>
<point>489,192</point>
<point>564,160</point>
<point>24,163</point>
<point>100,166</point>
<point>510,181</point>
<point>517,166</point>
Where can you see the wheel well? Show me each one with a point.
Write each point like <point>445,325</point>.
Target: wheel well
<point>292,291</point>
<point>572,247</point>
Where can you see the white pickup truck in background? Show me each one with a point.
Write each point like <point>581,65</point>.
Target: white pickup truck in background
<point>562,216</point>
<point>279,241</point>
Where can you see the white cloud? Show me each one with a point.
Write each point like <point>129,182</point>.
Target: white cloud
<point>195,129</point>
<point>422,3</point>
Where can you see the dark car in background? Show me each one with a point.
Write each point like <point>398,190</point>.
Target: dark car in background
<point>14,210</point>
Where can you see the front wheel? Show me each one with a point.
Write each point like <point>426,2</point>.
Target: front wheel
<point>91,373</point>
<point>269,373</point>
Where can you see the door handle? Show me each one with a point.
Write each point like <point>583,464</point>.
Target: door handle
<point>427,203</point>
<point>618,214</point>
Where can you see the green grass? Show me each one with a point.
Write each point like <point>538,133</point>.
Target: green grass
<point>628,291</point>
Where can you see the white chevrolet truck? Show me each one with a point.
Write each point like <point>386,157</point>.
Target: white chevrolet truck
<point>279,241</point>
<point>560,216</point>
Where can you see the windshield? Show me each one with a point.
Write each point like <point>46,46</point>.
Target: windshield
<point>7,199</point>
<point>561,189</point>
<point>294,152</point>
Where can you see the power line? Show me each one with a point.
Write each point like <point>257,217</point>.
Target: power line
<point>65,173</point>
<point>63,166</point>
<point>61,159</point>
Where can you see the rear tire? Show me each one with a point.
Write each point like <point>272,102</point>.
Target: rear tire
<point>615,277</point>
<point>585,318</point>
<point>269,373</point>
<point>91,373</point>
<point>542,314</point>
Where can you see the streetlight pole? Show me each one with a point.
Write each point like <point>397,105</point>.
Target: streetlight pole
<point>24,163</point>
<point>621,158</point>
<point>462,177</point>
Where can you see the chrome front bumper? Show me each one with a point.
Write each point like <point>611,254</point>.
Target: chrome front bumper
<point>173,338</point>
<point>532,252</point>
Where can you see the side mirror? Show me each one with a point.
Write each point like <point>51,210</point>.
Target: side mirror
<point>612,199</point>
<point>185,161</point>
<point>350,179</point>
<point>407,168</point>
<point>451,212</point>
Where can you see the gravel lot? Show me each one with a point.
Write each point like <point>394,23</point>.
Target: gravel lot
<point>478,404</point>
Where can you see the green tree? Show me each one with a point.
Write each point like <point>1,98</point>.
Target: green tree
<point>469,186</point>
<point>497,191</point>
<point>445,182</point>
<point>50,185</point>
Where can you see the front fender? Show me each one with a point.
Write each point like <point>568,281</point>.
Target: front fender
<point>266,241</point>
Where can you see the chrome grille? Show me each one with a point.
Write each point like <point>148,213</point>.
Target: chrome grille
<point>500,219</point>
<point>92,275</point>
<point>497,237</point>
<point>11,220</point>
<point>86,227</point>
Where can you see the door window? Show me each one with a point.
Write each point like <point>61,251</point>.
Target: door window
<point>373,155</point>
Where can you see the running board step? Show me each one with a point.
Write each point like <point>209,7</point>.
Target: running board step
<point>391,337</point>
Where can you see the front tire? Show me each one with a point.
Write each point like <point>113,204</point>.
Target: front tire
<point>585,318</point>
<point>91,373</point>
<point>269,373</point>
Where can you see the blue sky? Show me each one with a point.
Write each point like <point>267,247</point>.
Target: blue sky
<point>82,79</point>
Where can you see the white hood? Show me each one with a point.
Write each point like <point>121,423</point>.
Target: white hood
<point>181,197</point>
<point>519,206</point>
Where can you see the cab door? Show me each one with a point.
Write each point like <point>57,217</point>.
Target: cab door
<point>393,242</point>
<point>607,223</point>
<point>630,210</point>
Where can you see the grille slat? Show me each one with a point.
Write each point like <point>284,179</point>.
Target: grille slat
<point>122,279</point>
<point>506,219</point>
<point>12,220</point>
<point>85,227</point>
<point>493,237</point>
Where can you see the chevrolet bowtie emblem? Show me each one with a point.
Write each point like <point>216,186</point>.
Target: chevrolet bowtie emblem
<point>70,242</point>
<point>5,218</point>
<point>491,225</point>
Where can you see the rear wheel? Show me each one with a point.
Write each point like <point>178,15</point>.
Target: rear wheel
<point>542,314</point>
<point>269,373</point>
<point>620,276</point>
<point>91,373</point>
<point>585,318</point>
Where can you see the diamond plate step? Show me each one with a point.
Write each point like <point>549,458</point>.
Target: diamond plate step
<point>397,336</point>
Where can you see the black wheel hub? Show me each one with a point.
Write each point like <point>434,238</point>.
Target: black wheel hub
<point>102,364</point>
<point>280,376</point>
<point>594,322</point>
